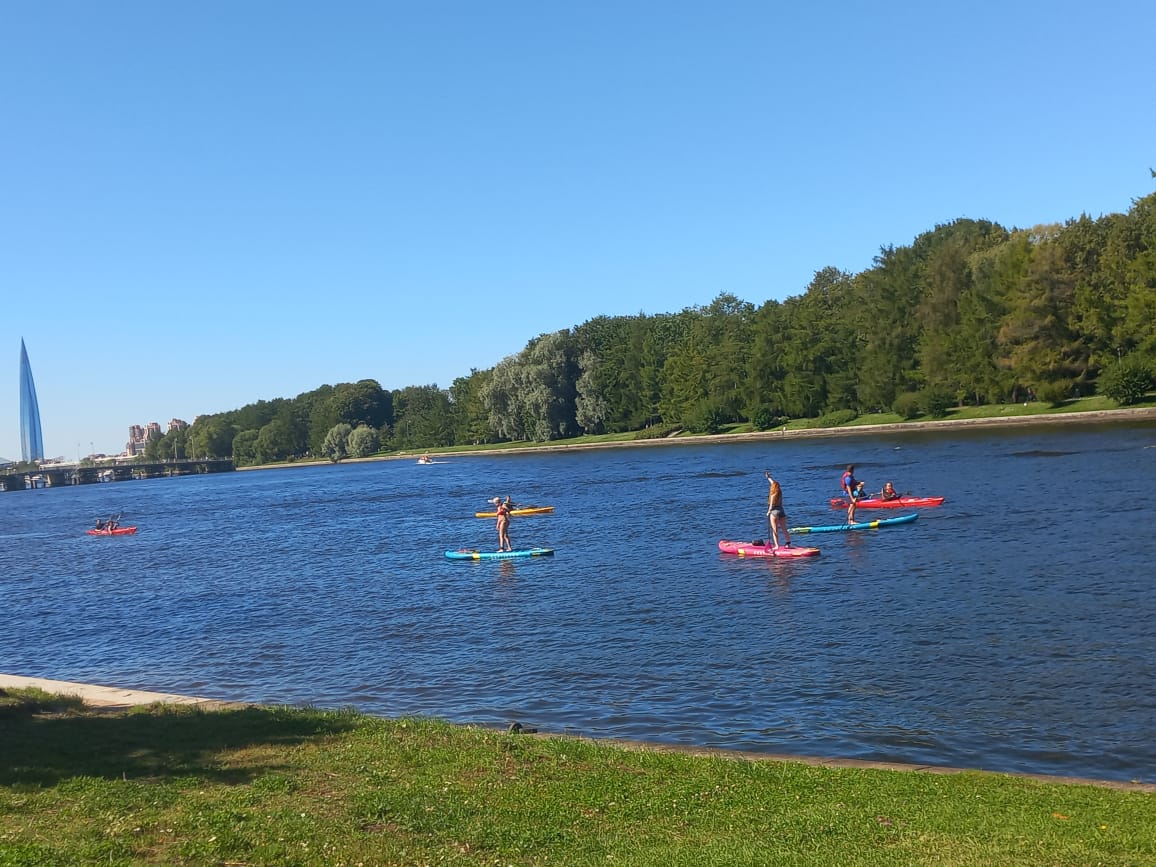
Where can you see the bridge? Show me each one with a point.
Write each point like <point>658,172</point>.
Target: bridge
<point>59,475</point>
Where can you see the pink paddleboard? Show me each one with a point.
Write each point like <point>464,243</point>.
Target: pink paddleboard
<point>760,549</point>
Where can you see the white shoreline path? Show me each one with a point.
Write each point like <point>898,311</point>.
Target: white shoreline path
<point>118,698</point>
<point>102,696</point>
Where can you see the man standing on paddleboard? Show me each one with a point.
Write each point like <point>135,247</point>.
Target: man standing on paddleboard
<point>853,491</point>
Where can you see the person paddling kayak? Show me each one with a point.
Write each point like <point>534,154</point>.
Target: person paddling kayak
<point>775,513</point>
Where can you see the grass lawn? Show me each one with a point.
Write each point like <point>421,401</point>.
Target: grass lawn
<point>274,785</point>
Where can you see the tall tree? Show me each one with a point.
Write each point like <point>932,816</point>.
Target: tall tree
<point>1036,336</point>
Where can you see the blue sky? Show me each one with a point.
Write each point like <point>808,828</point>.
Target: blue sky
<point>204,205</point>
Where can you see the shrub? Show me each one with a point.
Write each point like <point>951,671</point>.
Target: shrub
<point>907,405</point>
<point>935,401</point>
<point>765,418</point>
<point>1054,392</point>
<point>655,432</point>
<point>838,417</point>
<point>708,418</point>
<point>1126,381</point>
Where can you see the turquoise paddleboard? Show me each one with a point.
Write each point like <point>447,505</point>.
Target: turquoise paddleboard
<point>471,554</point>
<point>858,525</point>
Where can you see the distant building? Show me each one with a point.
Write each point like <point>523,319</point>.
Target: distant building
<point>139,436</point>
<point>31,437</point>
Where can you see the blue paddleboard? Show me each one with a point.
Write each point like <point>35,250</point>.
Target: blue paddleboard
<point>858,525</point>
<point>471,554</point>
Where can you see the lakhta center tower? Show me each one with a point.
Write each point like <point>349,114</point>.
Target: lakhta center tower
<point>31,438</point>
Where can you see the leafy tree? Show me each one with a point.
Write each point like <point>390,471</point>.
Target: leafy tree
<point>210,437</point>
<point>1036,336</point>
<point>424,417</point>
<point>336,444</point>
<point>363,442</point>
<point>944,348</point>
<point>888,293</point>
<point>470,416</point>
<point>244,448</point>
<point>710,364</point>
<point>533,396</point>
<point>362,403</point>
<point>590,405</point>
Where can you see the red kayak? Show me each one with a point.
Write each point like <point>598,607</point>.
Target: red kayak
<point>119,531</point>
<point>899,503</point>
<point>762,549</point>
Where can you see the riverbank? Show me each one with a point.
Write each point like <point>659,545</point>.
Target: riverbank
<point>1007,419</point>
<point>165,784</point>
<point>117,698</point>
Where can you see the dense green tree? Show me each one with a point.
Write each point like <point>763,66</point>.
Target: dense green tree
<point>943,348</point>
<point>210,436</point>
<point>424,418</point>
<point>590,406</point>
<point>888,295</point>
<point>244,448</point>
<point>363,442</point>
<point>362,403</point>
<point>533,396</point>
<point>1036,338</point>
<point>336,443</point>
<point>172,446</point>
<point>471,425</point>
<point>709,366</point>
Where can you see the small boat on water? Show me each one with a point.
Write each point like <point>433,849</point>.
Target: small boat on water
<point>115,531</point>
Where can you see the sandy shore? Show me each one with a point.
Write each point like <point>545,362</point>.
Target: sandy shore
<point>103,696</point>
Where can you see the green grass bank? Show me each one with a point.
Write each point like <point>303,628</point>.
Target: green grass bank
<point>178,784</point>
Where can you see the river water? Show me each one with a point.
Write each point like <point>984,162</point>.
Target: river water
<point>1011,629</point>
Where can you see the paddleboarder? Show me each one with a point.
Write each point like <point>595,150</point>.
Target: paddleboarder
<point>775,513</point>
<point>853,490</point>
<point>503,508</point>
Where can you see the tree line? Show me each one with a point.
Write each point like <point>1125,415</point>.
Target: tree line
<point>969,313</point>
